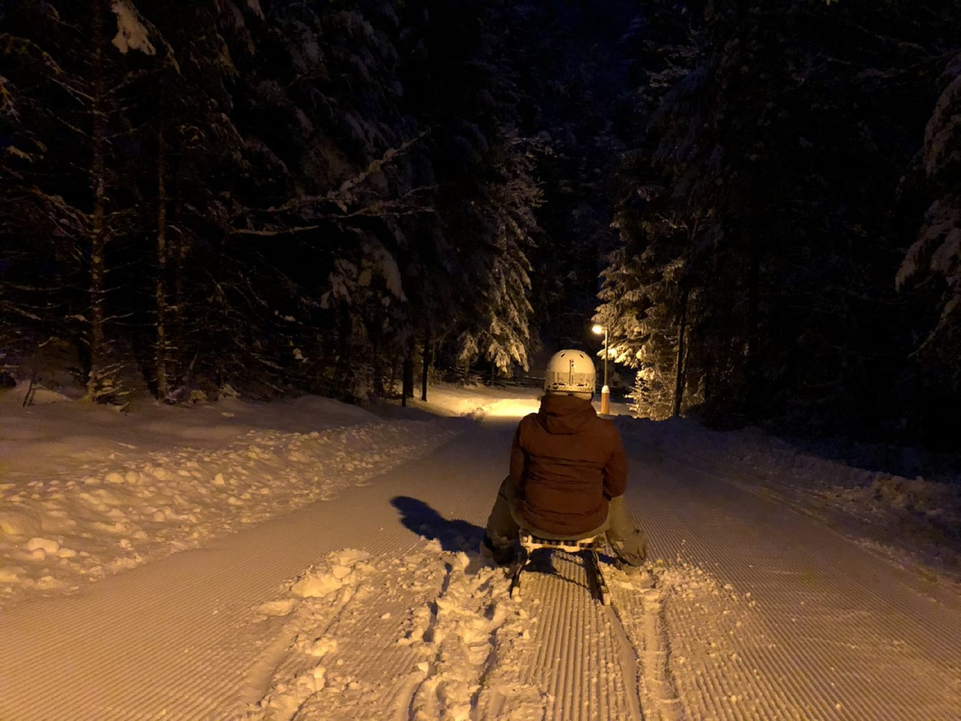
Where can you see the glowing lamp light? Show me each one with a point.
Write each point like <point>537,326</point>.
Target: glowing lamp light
<point>605,391</point>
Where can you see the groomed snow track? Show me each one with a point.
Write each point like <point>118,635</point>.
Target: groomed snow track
<point>755,612</point>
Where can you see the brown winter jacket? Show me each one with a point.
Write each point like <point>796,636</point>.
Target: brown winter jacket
<point>566,463</point>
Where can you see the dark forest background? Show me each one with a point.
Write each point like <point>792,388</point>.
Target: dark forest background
<point>761,199</point>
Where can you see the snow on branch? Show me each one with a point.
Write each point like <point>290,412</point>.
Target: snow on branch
<point>941,146</point>
<point>386,265</point>
<point>342,195</point>
<point>131,33</point>
<point>274,231</point>
<point>7,106</point>
<point>255,6</point>
<point>12,45</point>
<point>375,209</point>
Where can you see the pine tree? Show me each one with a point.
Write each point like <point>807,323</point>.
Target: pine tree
<point>931,268</point>
<point>473,273</point>
<point>937,250</point>
<point>506,337</point>
<point>75,60</point>
<point>203,166</point>
<point>34,221</point>
<point>649,285</point>
<point>570,63</point>
<point>763,225</point>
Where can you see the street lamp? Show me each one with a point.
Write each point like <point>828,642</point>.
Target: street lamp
<point>605,391</point>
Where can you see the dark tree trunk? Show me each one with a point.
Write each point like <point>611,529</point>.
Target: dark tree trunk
<point>345,376</point>
<point>377,366</point>
<point>753,305</point>
<point>98,236</point>
<point>393,378</point>
<point>427,361</point>
<point>176,341</point>
<point>163,389</point>
<point>408,389</point>
<point>681,356</point>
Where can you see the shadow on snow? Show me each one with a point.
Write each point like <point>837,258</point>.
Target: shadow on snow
<point>454,535</point>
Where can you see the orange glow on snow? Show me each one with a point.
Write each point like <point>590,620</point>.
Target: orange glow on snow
<point>513,408</point>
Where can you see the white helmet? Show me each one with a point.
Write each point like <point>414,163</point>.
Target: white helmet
<point>570,371</point>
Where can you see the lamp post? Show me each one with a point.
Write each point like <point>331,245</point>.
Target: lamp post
<point>605,391</point>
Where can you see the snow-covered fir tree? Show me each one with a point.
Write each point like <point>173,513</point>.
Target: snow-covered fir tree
<point>937,251</point>
<point>79,62</point>
<point>776,299</point>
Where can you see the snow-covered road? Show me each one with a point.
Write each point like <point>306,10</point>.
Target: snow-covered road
<point>806,623</point>
<point>372,605</point>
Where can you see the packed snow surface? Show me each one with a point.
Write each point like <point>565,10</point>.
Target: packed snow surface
<point>311,560</point>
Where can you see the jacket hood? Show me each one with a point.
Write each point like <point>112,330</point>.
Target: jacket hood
<point>564,415</point>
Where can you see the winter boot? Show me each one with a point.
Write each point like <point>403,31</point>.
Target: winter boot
<point>638,574</point>
<point>499,555</point>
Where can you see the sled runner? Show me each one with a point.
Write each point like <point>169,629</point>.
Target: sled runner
<point>588,548</point>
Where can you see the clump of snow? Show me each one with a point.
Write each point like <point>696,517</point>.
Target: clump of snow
<point>340,571</point>
<point>387,266</point>
<point>40,548</point>
<point>19,521</point>
<point>282,607</point>
<point>915,495</point>
<point>131,33</point>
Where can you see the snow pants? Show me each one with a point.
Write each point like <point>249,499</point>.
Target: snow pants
<point>626,539</point>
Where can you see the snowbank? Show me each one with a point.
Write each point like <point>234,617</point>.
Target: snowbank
<point>908,519</point>
<point>84,504</point>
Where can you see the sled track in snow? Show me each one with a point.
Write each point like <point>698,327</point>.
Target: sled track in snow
<point>814,626</point>
<point>586,660</point>
<point>431,637</point>
<point>405,639</point>
<point>641,615</point>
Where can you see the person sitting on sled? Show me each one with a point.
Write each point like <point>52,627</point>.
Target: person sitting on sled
<point>568,471</point>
